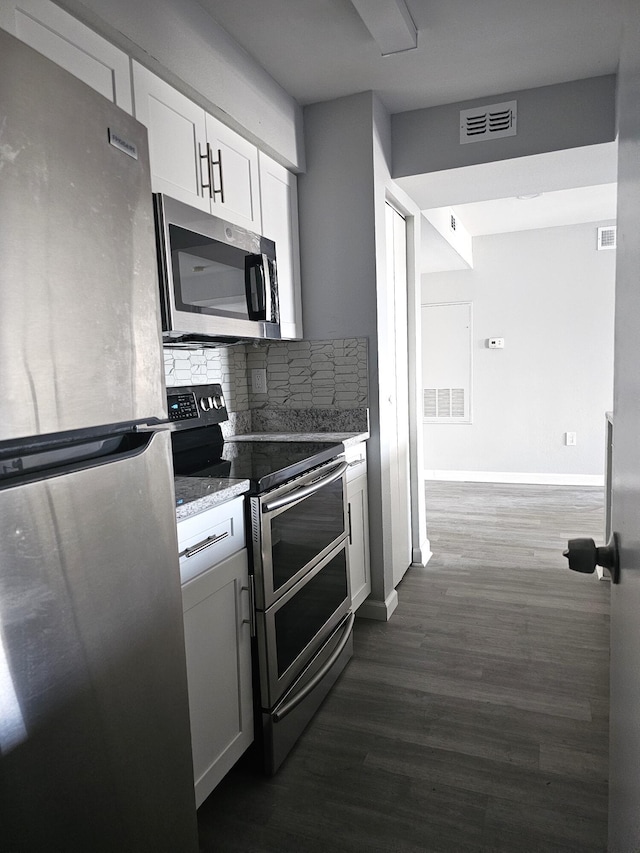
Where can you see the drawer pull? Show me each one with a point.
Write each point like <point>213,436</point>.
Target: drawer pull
<point>207,543</point>
<point>356,462</point>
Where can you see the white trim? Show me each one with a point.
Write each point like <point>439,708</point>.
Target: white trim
<point>380,610</point>
<point>421,556</point>
<point>516,477</point>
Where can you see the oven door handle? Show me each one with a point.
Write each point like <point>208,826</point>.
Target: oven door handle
<point>305,491</point>
<point>288,707</point>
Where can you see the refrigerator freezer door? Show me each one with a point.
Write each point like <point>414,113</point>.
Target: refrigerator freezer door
<point>94,725</point>
<point>80,341</point>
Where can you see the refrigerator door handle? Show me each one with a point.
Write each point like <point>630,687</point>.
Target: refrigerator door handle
<point>161,426</point>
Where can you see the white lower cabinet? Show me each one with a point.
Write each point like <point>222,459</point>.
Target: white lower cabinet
<point>217,617</point>
<point>358,517</point>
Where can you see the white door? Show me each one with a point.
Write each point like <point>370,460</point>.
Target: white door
<point>624,772</point>
<point>397,408</point>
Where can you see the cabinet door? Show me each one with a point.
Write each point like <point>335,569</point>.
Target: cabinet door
<point>358,541</point>
<point>177,138</point>
<point>218,648</point>
<point>72,45</point>
<point>358,509</point>
<point>235,176</point>
<point>279,204</point>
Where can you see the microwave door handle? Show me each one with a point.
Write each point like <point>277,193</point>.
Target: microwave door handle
<point>269,312</point>
<point>255,287</point>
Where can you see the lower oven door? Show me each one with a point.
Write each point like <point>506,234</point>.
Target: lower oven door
<point>296,525</point>
<point>283,725</point>
<point>291,631</point>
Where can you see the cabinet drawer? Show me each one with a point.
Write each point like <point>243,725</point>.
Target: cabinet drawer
<point>356,456</point>
<point>210,537</point>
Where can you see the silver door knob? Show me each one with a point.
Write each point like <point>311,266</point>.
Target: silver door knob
<point>584,556</point>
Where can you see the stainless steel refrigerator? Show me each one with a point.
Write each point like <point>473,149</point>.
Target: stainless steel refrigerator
<point>94,726</point>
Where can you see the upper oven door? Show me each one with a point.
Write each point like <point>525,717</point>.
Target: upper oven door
<point>217,279</point>
<point>295,526</point>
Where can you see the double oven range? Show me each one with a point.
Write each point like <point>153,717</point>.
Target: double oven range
<point>296,513</point>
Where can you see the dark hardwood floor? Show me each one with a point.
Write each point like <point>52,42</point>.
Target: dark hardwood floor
<point>476,719</point>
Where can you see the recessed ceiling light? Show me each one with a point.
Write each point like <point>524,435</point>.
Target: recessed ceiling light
<point>528,196</point>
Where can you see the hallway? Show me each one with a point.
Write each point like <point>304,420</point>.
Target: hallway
<point>475,720</point>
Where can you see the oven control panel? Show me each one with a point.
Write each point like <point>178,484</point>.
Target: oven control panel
<point>182,406</point>
<point>196,405</point>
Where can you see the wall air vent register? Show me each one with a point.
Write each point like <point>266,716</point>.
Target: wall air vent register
<point>443,403</point>
<point>607,237</point>
<point>494,121</point>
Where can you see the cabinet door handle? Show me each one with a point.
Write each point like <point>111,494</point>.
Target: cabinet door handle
<point>206,157</point>
<point>349,518</point>
<point>217,163</point>
<point>252,610</point>
<point>206,543</point>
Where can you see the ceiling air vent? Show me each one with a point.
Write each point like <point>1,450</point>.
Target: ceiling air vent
<point>607,237</point>
<point>491,122</point>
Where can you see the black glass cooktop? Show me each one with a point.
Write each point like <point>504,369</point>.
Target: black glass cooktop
<point>265,463</point>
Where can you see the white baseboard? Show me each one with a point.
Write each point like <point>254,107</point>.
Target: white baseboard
<point>515,477</point>
<point>420,556</point>
<point>380,610</point>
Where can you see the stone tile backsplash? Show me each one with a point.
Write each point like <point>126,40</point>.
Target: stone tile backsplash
<point>316,377</point>
<point>311,374</point>
<point>226,365</point>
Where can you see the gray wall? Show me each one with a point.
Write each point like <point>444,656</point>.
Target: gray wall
<point>551,118</point>
<point>550,295</point>
<point>183,44</point>
<point>343,265</point>
<point>338,261</point>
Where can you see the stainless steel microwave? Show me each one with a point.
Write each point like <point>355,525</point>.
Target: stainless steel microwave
<point>218,281</point>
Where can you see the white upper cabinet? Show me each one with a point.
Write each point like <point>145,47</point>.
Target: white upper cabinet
<point>194,157</point>
<point>279,202</point>
<point>234,173</point>
<point>177,136</point>
<point>72,45</point>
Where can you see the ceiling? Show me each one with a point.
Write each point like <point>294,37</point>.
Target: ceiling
<point>546,210</point>
<point>320,49</point>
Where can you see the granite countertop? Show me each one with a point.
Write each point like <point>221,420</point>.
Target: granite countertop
<point>347,438</point>
<point>196,494</point>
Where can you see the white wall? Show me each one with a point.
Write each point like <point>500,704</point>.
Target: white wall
<point>550,295</point>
